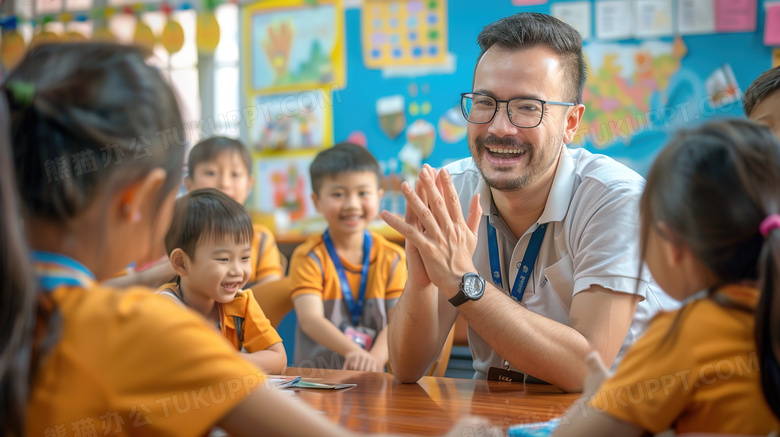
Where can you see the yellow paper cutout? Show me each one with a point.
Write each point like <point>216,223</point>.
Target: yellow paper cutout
<point>143,34</point>
<point>207,33</point>
<point>775,58</point>
<point>172,37</point>
<point>103,34</point>
<point>12,49</point>
<point>44,37</point>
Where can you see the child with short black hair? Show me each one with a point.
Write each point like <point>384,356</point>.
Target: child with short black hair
<point>225,164</point>
<point>209,245</point>
<point>346,280</point>
<point>710,221</point>
<point>761,101</point>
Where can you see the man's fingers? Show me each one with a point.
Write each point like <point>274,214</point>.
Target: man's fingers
<point>475,214</point>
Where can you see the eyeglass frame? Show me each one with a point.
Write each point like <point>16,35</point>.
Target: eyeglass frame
<point>508,115</point>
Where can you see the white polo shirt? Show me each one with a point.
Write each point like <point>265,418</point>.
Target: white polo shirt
<point>592,238</point>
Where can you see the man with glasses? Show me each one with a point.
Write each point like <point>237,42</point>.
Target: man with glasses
<point>540,252</point>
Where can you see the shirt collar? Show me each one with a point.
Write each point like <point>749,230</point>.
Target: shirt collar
<point>55,270</point>
<point>558,200</point>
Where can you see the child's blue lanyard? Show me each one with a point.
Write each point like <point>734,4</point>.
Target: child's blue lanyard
<point>54,270</point>
<point>355,308</point>
<point>524,269</point>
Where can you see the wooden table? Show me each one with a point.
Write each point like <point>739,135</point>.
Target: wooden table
<point>380,404</point>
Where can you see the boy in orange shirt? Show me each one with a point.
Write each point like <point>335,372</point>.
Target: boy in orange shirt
<point>347,279</point>
<point>225,164</point>
<point>209,248</point>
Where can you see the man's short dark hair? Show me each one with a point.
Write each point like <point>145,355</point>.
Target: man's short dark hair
<point>529,29</point>
<point>342,158</point>
<point>766,84</point>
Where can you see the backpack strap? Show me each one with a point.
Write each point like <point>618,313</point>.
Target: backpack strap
<point>239,331</point>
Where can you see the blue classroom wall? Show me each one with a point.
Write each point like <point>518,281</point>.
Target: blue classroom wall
<point>683,103</point>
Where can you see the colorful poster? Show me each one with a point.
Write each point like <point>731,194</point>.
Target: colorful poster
<point>576,14</point>
<point>398,33</point>
<point>291,46</point>
<point>695,17</point>
<point>722,87</point>
<point>613,19</point>
<point>284,189</point>
<point>292,121</point>
<point>625,88</point>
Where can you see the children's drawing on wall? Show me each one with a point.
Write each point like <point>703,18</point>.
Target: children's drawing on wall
<point>283,189</point>
<point>420,139</point>
<point>452,126</point>
<point>292,46</point>
<point>393,199</point>
<point>722,87</point>
<point>292,122</point>
<point>392,115</point>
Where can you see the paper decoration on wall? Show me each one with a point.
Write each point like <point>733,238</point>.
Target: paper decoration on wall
<point>422,135</point>
<point>411,158</point>
<point>528,2</point>
<point>653,18</point>
<point>292,46</point>
<point>293,121</point>
<point>207,32</point>
<point>358,137</point>
<point>392,115</point>
<point>103,34</point>
<point>613,19</point>
<point>695,17</point>
<point>625,81</point>
<point>399,33</point>
<point>775,58</point>
<point>576,14</point>
<point>12,49</point>
<point>772,26</point>
<point>143,35</point>
<point>452,126</point>
<point>172,37</point>
<point>722,87</point>
<point>73,36</point>
<point>44,37</point>
<point>735,15</point>
<point>283,187</point>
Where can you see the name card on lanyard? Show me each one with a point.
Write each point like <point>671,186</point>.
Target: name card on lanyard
<point>355,308</point>
<point>526,266</point>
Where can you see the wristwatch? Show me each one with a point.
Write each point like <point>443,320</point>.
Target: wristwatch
<point>472,287</point>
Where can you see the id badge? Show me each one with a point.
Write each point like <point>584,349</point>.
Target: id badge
<point>505,374</point>
<point>363,339</point>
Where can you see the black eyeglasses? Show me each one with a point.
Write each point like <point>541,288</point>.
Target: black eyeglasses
<point>522,112</point>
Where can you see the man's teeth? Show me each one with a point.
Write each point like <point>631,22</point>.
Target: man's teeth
<point>512,151</point>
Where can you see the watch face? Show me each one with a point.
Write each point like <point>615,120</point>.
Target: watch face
<point>473,285</point>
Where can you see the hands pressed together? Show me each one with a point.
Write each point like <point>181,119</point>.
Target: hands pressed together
<point>439,240</point>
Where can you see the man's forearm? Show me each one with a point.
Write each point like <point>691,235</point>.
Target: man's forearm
<point>413,333</point>
<point>535,344</point>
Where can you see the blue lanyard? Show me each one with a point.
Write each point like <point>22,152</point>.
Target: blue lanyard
<point>524,269</point>
<point>54,270</point>
<point>356,308</point>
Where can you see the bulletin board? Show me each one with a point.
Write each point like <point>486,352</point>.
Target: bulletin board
<point>655,66</point>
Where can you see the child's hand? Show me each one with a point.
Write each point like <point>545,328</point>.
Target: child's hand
<point>361,360</point>
<point>597,373</point>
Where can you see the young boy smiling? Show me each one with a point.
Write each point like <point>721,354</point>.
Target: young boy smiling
<point>347,279</point>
